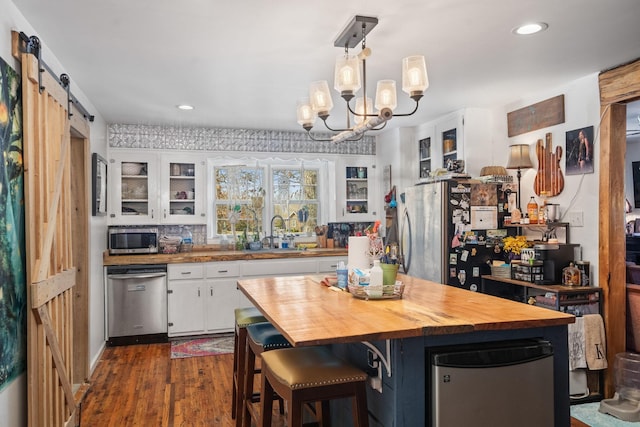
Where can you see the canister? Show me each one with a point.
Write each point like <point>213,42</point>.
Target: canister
<point>585,275</point>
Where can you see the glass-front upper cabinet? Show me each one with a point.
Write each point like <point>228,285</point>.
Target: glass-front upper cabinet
<point>134,195</point>
<point>181,190</point>
<point>425,157</point>
<point>357,193</point>
<point>449,146</point>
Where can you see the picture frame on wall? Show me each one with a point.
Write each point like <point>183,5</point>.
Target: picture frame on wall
<point>580,151</point>
<point>99,185</point>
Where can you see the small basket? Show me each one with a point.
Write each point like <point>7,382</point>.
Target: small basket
<point>388,291</point>
<point>503,271</point>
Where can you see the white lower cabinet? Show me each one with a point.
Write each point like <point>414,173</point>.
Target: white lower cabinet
<point>185,299</point>
<point>223,296</point>
<point>202,297</point>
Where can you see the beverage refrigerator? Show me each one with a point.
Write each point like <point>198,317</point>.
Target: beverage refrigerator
<point>451,230</point>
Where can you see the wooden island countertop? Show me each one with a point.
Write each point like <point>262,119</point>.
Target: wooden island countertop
<point>308,313</point>
<point>405,332</point>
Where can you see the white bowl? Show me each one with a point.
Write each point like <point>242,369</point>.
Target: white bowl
<point>131,168</point>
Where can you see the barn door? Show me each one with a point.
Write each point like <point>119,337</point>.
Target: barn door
<point>51,217</point>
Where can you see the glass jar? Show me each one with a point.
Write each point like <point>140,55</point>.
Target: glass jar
<point>571,275</point>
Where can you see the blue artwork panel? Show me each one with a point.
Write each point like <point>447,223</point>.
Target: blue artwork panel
<point>13,290</point>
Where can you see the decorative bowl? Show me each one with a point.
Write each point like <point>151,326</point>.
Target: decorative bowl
<point>131,168</point>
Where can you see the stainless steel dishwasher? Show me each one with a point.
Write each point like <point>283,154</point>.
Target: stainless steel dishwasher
<point>136,304</point>
<point>493,385</point>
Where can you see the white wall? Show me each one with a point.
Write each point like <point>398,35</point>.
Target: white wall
<point>482,148</point>
<point>13,397</point>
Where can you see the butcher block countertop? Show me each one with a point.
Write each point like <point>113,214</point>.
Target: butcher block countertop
<point>308,313</point>
<point>206,253</point>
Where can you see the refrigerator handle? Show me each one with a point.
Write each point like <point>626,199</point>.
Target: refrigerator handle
<point>405,234</point>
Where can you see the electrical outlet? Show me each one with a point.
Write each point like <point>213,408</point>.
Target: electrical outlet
<point>576,219</point>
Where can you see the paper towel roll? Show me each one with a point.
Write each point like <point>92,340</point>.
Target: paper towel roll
<point>357,254</point>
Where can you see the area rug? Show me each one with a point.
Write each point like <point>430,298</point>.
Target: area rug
<point>206,346</point>
<point>588,413</point>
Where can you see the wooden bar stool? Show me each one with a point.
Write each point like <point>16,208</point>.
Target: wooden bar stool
<point>311,374</point>
<point>261,339</point>
<point>244,317</point>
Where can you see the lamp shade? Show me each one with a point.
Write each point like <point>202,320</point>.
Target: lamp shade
<point>360,109</point>
<point>306,115</point>
<point>414,75</point>
<point>519,157</point>
<point>386,95</point>
<point>347,74</point>
<point>320,97</point>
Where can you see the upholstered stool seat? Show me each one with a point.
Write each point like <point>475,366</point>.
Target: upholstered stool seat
<point>243,317</point>
<point>311,374</point>
<point>261,338</point>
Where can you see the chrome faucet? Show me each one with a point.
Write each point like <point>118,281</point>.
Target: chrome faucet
<point>271,235</point>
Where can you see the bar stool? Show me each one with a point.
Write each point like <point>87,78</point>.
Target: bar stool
<point>311,374</point>
<point>261,339</point>
<point>244,317</point>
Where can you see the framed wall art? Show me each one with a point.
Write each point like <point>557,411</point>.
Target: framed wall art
<point>579,148</point>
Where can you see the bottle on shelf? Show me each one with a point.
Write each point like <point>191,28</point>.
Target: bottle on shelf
<point>187,240</point>
<point>532,211</point>
<point>375,280</point>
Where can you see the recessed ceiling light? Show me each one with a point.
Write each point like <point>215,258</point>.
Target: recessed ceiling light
<point>532,28</point>
<point>185,107</point>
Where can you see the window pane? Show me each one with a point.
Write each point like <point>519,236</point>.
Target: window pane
<point>239,200</point>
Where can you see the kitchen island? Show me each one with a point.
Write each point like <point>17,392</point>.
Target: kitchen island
<point>429,315</point>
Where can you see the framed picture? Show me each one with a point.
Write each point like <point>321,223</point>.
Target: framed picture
<point>579,148</point>
<point>99,185</point>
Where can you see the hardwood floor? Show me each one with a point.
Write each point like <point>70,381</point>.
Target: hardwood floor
<point>140,385</point>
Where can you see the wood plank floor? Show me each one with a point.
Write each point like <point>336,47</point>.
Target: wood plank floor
<point>140,385</point>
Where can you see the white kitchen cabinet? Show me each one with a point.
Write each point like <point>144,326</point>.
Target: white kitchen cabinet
<point>202,297</point>
<point>182,194</point>
<point>279,267</point>
<point>186,299</point>
<point>151,188</point>
<point>329,265</point>
<point>357,192</point>
<point>223,296</point>
<point>462,135</point>
<point>132,189</point>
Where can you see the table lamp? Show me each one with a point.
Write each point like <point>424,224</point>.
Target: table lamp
<point>519,159</point>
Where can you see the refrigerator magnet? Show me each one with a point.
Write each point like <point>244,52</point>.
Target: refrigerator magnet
<point>476,271</point>
<point>464,256</point>
<point>453,259</point>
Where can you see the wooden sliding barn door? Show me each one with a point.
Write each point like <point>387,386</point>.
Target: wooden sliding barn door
<point>51,220</point>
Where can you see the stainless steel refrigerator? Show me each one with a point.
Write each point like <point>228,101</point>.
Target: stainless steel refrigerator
<point>451,230</point>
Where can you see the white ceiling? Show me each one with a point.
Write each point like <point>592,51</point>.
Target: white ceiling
<point>244,64</point>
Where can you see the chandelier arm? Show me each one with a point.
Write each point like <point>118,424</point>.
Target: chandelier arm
<point>310,135</point>
<point>360,129</point>
<point>332,129</point>
<point>407,114</point>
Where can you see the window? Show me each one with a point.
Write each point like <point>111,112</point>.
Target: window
<point>239,200</point>
<point>295,198</point>
<point>247,197</point>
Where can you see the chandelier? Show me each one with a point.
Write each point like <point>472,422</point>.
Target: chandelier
<point>349,76</point>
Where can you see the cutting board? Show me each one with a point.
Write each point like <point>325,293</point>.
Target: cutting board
<point>549,179</point>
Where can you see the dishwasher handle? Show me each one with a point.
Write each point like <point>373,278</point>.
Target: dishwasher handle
<point>136,276</point>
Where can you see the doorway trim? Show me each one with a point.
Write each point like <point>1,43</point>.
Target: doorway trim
<point>618,86</point>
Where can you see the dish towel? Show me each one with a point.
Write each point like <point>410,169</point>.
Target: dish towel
<point>595,342</point>
<point>577,354</point>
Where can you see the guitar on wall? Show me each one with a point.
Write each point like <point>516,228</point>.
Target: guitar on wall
<point>549,180</point>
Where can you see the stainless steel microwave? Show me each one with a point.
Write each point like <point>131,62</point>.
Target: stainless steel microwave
<point>133,240</point>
